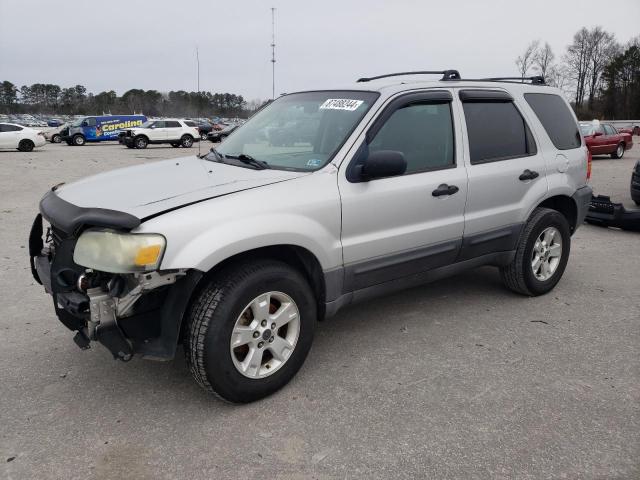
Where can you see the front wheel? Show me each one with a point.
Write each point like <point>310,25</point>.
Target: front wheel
<point>203,136</point>
<point>250,329</point>
<point>56,139</point>
<point>78,140</point>
<point>619,153</point>
<point>26,145</point>
<point>541,255</point>
<point>141,142</point>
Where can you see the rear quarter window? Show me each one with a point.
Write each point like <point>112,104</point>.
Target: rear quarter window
<point>556,118</point>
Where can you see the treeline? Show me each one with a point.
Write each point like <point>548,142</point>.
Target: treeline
<point>600,75</point>
<point>52,99</point>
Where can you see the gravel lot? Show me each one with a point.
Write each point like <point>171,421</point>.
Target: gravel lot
<point>458,379</point>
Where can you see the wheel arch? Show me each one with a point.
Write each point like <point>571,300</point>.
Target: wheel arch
<point>564,205</point>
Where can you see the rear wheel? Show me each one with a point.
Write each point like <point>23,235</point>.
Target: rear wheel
<point>186,141</point>
<point>541,255</point>
<point>26,145</point>
<point>619,153</point>
<point>78,140</point>
<point>249,330</point>
<point>56,138</point>
<point>141,142</point>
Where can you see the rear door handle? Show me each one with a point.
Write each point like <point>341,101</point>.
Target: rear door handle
<point>528,175</point>
<point>445,189</point>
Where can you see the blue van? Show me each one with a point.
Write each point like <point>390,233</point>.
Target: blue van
<point>99,129</point>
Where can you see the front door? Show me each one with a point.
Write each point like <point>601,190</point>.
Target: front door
<point>398,226</point>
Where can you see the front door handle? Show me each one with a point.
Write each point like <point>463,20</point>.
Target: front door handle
<point>445,189</point>
<point>528,175</point>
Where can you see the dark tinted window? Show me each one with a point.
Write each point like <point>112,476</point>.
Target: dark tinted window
<point>171,124</point>
<point>91,122</point>
<point>556,118</point>
<point>422,132</point>
<point>610,130</point>
<point>496,131</point>
<point>189,123</point>
<point>9,128</point>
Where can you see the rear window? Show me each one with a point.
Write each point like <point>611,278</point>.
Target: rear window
<point>496,132</point>
<point>556,118</point>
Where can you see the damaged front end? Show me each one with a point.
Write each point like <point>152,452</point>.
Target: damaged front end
<point>129,313</point>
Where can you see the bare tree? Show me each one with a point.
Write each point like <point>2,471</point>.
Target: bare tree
<point>578,61</point>
<point>525,61</point>
<point>543,59</point>
<point>602,48</point>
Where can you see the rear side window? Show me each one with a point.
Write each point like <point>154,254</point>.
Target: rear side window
<point>496,131</point>
<point>9,128</point>
<point>171,124</point>
<point>189,123</point>
<point>556,118</point>
<point>423,133</point>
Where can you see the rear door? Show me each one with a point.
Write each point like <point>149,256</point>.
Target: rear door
<point>173,129</point>
<point>398,226</point>
<point>507,174</point>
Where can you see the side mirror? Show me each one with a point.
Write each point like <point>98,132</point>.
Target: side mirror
<point>383,163</point>
<point>597,134</point>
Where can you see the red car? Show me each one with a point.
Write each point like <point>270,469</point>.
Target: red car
<point>602,139</point>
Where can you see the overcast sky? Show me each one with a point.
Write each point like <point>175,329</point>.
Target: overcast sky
<point>151,44</point>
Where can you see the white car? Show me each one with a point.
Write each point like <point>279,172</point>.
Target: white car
<point>24,139</point>
<point>173,131</point>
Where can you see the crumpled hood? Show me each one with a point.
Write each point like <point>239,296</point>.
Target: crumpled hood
<point>149,189</point>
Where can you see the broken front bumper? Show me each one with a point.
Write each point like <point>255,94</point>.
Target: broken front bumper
<point>128,314</point>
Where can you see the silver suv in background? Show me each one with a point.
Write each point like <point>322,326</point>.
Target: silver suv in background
<point>385,184</point>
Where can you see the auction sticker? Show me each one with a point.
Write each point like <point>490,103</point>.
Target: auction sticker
<point>341,104</point>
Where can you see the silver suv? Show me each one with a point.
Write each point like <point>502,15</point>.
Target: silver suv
<point>322,199</point>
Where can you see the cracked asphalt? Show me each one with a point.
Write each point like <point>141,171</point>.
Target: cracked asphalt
<point>456,379</point>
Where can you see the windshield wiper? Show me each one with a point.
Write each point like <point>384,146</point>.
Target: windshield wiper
<point>218,155</point>
<point>249,160</point>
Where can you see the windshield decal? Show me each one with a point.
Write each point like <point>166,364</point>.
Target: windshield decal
<point>341,104</point>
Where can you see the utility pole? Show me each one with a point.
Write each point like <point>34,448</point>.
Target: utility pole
<point>273,53</point>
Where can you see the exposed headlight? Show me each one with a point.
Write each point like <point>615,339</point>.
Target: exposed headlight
<point>115,252</point>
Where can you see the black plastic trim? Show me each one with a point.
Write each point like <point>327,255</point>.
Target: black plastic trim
<point>390,267</point>
<point>70,218</point>
<point>496,240</point>
<point>484,95</point>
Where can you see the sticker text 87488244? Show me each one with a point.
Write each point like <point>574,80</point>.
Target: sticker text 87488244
<point>341,104</point>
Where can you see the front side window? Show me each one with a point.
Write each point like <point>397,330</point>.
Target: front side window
<point>91,122</point>
<point>496,131</point>
<point>423,132</point>
<point>556,118</point>
<point>301,131</point>
<point>610,130</point>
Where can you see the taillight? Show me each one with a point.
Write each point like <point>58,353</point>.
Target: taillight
<point>589,160</point>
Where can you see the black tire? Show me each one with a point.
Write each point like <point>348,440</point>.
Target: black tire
<point>78,140</point>
<point>203,136</point>
<point>212,317</point>
<point>56,138</point>
<point>619,153</point>
<point>175,145</point>
<point>186,141</point>
<point>140,142</point>
<point>518,276</point>
<point>26,145</point>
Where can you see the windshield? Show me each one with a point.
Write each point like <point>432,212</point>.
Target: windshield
<point>301,131</point>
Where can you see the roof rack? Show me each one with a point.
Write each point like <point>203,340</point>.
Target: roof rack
<point>446,75</point>
<point>454,75</point>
